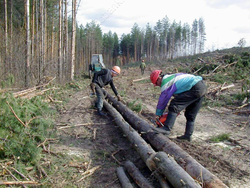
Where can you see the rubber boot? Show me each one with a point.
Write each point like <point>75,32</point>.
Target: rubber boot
<point>169,123</point>
<point>188,133</point>
<point>101,113</point>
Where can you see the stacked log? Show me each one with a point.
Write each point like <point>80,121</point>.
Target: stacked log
<point>162,143</point>
<point>153,160</point>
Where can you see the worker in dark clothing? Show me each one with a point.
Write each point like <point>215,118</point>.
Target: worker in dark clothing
<point>187,91</point>
<point>103,78</point>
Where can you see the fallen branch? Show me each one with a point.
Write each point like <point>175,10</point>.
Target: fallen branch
<point>201,60</point>
<point>88,173</point>
<point>24,92</point>
<point>37,93</point>
<point>12,175</point>
<point>242,106</point>
<point>215,110</point>
<point>20,173</point>
<point>242,112</point>
<point>94,133</point>
<point>197,70</point>
<point>216,68</point>
<point>113,156</point>
<point>77,125</point>
<point>218,89</point>
<point>137,80</point>
<point>15,114</point>
<point>230,64</point>
<point>18,183</point>
<point>226,87</point>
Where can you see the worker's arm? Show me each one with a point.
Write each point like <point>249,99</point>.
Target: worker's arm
<point>113,88</point>
<point>164,99</point>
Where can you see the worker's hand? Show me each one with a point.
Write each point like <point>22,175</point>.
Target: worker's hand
<point>118,98</point>
<point>92,86</point>
<point>157,117</point>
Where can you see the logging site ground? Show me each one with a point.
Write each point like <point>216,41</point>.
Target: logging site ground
<point>87,148</point>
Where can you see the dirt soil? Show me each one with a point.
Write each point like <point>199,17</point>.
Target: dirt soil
<point>100,142</point>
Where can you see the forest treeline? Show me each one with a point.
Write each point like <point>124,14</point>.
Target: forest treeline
<point>41,38</point>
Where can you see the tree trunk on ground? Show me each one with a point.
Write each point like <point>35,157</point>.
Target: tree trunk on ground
<point>162,143</point>
<point>196,170</point>
<point>134,172</point>
<point>173,172</point>
<point>138,143</point>
<point>147,153</point>
<point>125,183</point>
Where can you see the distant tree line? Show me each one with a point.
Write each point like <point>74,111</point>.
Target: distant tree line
<point>39,39</point>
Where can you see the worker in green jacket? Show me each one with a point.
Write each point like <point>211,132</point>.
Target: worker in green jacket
<point>142,67</point>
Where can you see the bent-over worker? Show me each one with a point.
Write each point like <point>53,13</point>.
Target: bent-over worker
<point>103,78</point>
<point>188,92</point>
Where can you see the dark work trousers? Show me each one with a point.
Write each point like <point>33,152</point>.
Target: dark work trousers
<point>190,100</point>
<point>99,95</point>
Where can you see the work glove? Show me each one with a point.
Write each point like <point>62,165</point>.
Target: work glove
<point>157,117</point>
<point>92,86</point>
<point>118,98</point>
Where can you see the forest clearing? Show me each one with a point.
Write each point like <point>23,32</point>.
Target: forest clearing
<point>51,134</point>
<point>82,149</point>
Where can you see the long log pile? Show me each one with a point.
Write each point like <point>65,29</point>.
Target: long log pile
<point>158,161</point>
<point>168,166</point>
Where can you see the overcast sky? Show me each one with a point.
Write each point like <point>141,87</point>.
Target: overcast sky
<point>226,21</point>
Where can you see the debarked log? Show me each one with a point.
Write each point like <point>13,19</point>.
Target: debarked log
<point>162,143</point>
<point>145,150</point>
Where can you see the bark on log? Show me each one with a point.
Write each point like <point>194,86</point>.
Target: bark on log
<point>163,182</point>
<point>174,173</point>
<point>134,172</point>
<point>141,146</point>
<point>162,143</point>
<point>145,150</point>
<point>125,183</point>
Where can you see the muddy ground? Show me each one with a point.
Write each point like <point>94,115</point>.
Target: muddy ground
<point>101,144</point>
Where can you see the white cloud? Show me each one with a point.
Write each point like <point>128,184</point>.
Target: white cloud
<point>226,21</point>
